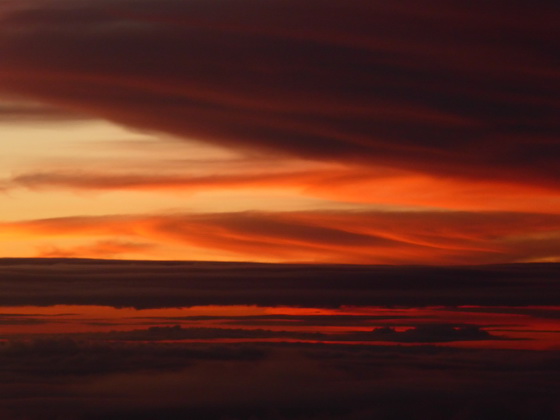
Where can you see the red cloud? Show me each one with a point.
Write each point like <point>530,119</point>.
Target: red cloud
<point>350,237</point>
<point>347,184</point>
<point>99,249</point>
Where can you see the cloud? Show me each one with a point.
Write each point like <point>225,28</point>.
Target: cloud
<point>11,319</point>
<point>181,284</point>
<point>63,356</point>
<point>431,333</point>
<point>543,313</point>
<point>173,182</point>
<point>354,184</point>
<point>425,333</point>
<point>299,320</point>
<point>16,111</point>
<point>116,380</point>
<point>438,89</point>
<point>176,332</point>
<point>364,237</point>
<point>100,249</point>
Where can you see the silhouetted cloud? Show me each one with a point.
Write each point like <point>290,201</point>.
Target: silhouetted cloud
<point>13,319</point>
<point>541,312</point>
<point>436,88</point>
<point>431,333</point>
<point>121,284</point>
<point>88,379</point>
<point>299,320</point>
<point>100,249</point>
<point>427,333</point>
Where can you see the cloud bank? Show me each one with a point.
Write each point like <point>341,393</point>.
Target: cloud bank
<point>437,88</point>
<point>90,380</point>
<point>181,284</point>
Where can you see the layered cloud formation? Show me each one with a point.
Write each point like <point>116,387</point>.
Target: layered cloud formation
<point>358,237</point>
<point>151,353</point>
<point>176,284</point>
<point>434,126</point>
<point>438,88</point>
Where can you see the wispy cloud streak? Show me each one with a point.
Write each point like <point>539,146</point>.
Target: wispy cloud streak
<point>181,284</point>
<point>344,236</point>
<point>353,184</point>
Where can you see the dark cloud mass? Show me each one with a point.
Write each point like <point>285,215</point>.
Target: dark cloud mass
<point>408,363</point>
<point>427,333</point>
<point>91,380</point>
<point>178,284</point>
<point>436,87</point>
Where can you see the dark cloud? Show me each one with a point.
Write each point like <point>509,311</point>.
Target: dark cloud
<point>131,283</point>
<point>17,112</point>
<point>60,356</point>
<point>426,333</point>
<point>300,320</point>
<point>16,319</point>
<point>177,332</point>
<point>88,380</point>
<point>99,249</point>
<point>431,333</point>
<point>439,88</point>
<point>546,313</point>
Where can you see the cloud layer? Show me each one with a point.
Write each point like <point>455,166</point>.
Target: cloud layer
<point>366,237</point>
<point>357,103</point>
<point>88,379</point>
<point>436,88</point>
<point>180,284</point>
<point>347,184</point>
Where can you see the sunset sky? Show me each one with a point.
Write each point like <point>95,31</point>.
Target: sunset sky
<point>280,131</point>
<point>279,209</point>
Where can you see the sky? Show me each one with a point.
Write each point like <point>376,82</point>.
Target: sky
<point>279,209</point>
<point>280,131</point>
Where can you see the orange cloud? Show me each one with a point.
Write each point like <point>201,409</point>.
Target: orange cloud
<point>343,183</point>
<point>112,181</point>
<point>99,249</point>
<point>342,237</point>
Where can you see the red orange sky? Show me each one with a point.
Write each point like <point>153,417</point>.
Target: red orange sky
<point>281,131</point>
<point>398,159</point>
